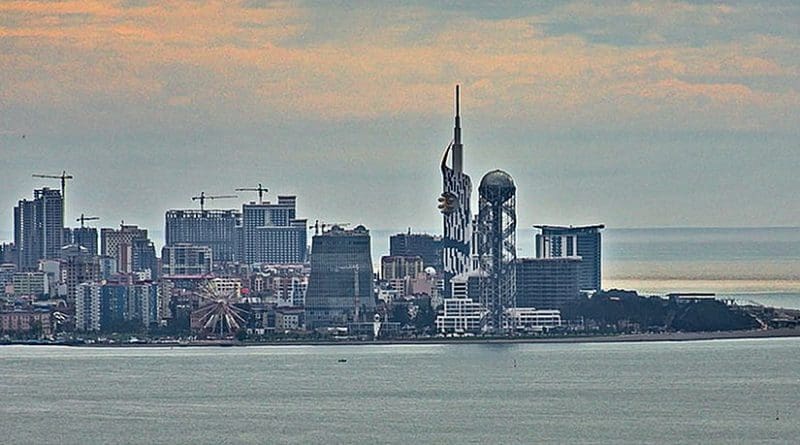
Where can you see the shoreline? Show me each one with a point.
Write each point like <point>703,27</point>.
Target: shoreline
<point>620,338</point>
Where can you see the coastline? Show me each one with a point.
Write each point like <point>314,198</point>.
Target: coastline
<point>621,338</point>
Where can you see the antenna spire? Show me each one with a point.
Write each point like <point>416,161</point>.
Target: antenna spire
<point>457,130</point>
<point>457,147</point>
<point>457,101</point>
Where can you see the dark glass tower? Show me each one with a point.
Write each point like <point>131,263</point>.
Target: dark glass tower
<point>340,285</point>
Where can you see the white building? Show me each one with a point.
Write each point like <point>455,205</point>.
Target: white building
<point>87,307</point>
<point>227,286</point>
<point>530,319</point>
<point>460,316</point>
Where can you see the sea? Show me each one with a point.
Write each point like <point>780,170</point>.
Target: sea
<point>748,265</point>
<point>701,392</point>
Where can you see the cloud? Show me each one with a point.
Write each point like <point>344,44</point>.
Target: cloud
<point>257,60</point>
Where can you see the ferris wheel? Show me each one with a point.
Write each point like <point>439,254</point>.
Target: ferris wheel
<point>218,312</point>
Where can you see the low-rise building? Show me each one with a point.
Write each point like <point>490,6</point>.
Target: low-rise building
<point>528,319</point>
<point>26,322</point>
<point>7,271</point>
<point>289,319</point>
<point>227,286</point>
<point>460,316</point>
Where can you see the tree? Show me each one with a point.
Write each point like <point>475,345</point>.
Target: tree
<point>400,314</point>
<point>425,319</point>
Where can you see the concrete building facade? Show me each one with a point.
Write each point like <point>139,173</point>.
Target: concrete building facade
<point>215,229</point>
<point>272,234</point>
<point>38,228</point>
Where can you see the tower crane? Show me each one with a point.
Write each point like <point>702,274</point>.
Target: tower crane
<point>83,219</point>
<point>63,177</point>
<point>319,227</point>
<point>202,198</point>
<point>261,190</point>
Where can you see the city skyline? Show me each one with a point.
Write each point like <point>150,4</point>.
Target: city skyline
<point>683,114</point>
<point>248,221</point>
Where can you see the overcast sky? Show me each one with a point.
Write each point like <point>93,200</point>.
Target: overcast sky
<point>632,114</point>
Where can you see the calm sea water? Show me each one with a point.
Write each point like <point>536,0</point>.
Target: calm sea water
<point>731,391</point>
<point>761,265</point>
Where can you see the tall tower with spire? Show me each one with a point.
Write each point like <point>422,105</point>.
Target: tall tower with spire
<point>454,204</point>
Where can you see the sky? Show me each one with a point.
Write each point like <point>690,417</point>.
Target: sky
<point>628,113</point>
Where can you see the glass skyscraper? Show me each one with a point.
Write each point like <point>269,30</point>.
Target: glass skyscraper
<point>340,285</point>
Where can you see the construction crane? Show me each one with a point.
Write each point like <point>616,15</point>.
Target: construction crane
<point>202,198</point>
<point>83,219</point>
<point>261,190</point>
<point>319,227</point>
<point>63,177</point>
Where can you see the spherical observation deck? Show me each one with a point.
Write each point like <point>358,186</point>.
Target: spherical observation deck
<point>497,186</point>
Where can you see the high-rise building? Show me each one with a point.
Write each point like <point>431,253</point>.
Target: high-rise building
<point>111,239</point>
<point>455,206</point>
<point>8,253</point>
<point>116,306</point>
<point>271,233</point>
<point>143,255</point>
<point>579,241</point>
<point>427,247</point>
<point>184,259</point>
<point>82,236</point>
<point>132,249</point>
<point>497,226</point>
<point>547,283</point>
<point>216,229</point>
<point>38,228</point>
<point>340,285</point>
<point>400,267</point>
<point>79,266</point>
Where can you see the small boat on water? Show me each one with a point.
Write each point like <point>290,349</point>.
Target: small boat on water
<point>342,360</point>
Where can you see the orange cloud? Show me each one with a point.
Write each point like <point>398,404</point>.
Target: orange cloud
<point>256,61</point>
